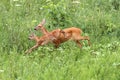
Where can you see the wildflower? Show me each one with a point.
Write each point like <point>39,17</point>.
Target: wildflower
<point>1,71</point>
<point>77,2</point>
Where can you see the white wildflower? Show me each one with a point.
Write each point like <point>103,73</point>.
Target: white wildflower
<point>1,71</point>
<point>76,2</point>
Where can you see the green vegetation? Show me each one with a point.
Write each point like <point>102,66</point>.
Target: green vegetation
<point>99,19</point>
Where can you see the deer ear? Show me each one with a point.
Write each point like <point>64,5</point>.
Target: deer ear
<point>56,33</point>
<point>43,22</point>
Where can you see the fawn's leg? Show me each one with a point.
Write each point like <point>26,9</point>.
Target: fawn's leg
<point>30,50</point>
<point>57,43</point>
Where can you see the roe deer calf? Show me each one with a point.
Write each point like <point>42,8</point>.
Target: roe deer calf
<point>45,39</point>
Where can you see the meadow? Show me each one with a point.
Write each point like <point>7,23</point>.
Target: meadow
<point>99,19</point>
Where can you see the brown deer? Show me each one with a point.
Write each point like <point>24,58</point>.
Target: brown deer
<point>71,33</point>
<point>45,39</point>
<point>41,27</point>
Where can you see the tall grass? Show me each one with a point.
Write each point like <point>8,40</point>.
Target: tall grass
<point>98,19</point>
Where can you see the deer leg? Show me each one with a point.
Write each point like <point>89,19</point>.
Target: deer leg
<point>30,50</point>
<point>85,38</point>
<point>57,43</point>
<point>78,43</point>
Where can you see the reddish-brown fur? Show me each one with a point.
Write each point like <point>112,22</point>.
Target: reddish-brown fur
<point>41,27</point>
<point>72,33</point>
<point>57,36</point>
<point>45,39</point>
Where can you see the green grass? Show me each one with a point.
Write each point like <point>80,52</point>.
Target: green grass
<point>98,62</point>
<point>98,19</point>
<point>90,63</point>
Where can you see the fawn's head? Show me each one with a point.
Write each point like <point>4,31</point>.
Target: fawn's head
<point>32,36</point>
<point>40,25</point>
<point>40,40</point>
